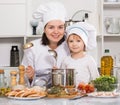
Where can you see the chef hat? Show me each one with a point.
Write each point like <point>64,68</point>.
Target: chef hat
<point>50,11</point>
<point>86,31</point>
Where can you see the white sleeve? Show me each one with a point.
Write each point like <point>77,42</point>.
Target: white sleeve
<point>28,58</point>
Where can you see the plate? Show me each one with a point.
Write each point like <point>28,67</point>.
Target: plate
<point>104,94</point>
<point>25,98</point>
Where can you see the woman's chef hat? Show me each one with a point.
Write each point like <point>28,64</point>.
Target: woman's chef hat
<point>86,31</point>
<point>50,11</point>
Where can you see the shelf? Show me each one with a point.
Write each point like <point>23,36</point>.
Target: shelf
<point>11,36</point>
<point>111,4</point>
<point>111,35</point>
<point>8,68</point>
<point>34,36</point>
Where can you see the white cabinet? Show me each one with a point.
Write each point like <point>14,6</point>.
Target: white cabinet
<point>12,17</point>
<point>12,28</point>
<point>110,27</point>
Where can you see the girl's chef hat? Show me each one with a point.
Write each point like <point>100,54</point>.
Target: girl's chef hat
<point>86,31</point>
<point>50,11</point>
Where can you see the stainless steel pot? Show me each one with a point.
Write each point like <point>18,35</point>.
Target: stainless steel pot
<point>58,77</point>
<point>63,77</point>
<point>70,78</point>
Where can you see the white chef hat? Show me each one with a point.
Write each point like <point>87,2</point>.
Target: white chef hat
<point>50,11</point>
<point>86,31</point>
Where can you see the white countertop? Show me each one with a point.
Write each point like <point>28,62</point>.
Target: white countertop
<point>56,101</point>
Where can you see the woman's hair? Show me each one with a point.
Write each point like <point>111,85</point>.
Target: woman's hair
<point>45,40</point>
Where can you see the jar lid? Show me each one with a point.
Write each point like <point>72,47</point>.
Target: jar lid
<point>1,71</point>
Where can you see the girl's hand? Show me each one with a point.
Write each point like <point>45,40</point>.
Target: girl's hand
<point>30,72</point>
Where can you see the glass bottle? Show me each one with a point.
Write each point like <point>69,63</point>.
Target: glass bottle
<point>106,64</point>
<point>14,56</point>
<point>2,83</point>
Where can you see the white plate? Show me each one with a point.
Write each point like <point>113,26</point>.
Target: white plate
<point>25,98</point>
<point>104,94</point>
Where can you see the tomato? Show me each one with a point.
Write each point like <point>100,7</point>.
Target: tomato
<point>89,88</point>
<point>81,86</point>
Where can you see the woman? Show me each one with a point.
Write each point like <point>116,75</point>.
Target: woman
<point>37,58</point>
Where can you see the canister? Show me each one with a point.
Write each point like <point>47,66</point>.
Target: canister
<point>70,78</point>
<point>58,77</point>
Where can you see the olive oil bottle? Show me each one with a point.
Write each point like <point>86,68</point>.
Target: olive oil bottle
<point>106,64</point>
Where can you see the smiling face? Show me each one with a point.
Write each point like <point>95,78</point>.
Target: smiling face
<point>54,31</point>
<point>75,43</point>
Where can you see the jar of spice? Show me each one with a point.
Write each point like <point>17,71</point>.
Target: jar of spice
<point>2,83</point>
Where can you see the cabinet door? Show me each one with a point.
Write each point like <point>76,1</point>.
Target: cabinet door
<point>12,19</point>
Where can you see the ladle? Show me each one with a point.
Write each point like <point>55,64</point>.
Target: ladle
<point>28,45</point>
<point>53,53</point>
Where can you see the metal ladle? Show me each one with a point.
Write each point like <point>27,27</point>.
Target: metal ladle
<point>28,45</point>
<point>53,53</point>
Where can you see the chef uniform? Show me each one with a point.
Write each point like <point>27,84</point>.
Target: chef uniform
<point>37,55</point>
<point>85,67</point>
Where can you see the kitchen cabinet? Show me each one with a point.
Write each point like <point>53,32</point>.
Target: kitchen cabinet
<point>109,28</point>
<point>12,28</point>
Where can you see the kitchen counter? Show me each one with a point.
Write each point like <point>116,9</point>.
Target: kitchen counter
<point>56,101</point>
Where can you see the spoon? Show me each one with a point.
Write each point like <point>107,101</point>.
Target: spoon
<point>28,45</point>
<point>53,53</point>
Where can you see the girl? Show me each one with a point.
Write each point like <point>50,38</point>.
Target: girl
<point>80,38</point>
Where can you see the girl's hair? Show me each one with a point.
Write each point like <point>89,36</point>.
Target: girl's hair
<point>45,40</point>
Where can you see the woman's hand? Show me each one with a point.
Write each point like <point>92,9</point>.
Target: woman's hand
<point>30,72</point>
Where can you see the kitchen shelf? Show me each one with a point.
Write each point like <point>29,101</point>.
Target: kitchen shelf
<point>12,36</point>
<point>33,36</point>
<point>111,35</point>
<point>8,68</point>
<point>111,4</point>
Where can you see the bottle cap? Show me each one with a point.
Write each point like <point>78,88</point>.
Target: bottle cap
<point>107,51</point>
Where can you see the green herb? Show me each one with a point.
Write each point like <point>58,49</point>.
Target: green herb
<point>105,83</point>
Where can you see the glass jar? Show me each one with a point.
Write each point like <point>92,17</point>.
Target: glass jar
<point>2,83</point>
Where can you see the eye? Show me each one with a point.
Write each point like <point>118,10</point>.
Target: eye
<point>61,27</point>
<point>50,27</point>
<point>78,40</point>
<point>70,41</point>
